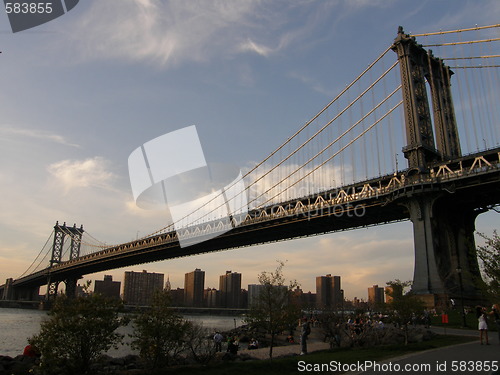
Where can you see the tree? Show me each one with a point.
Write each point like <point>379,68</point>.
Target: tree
<point>405,307</point>
<point>273,309</point>
<point>200,343</point>
<point>77,332</point>
<point>159,332</point>
<point>490,257</point>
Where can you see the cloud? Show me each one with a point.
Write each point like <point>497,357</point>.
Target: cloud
<point>289,181</point>
<point>8,131</point>
<point>259,49</point>
<point>468,15</point>
<point>73,174</point>
<point>164,33</point>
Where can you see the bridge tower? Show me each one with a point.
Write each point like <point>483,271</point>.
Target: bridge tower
<point>60,233</point>
<point>445,255</point>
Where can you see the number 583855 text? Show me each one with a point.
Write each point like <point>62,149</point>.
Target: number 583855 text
<point>28,8</point>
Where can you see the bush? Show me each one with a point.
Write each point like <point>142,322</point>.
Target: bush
<point>77,332</point>
<point>159,333</point>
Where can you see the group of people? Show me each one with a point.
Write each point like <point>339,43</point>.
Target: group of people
<point>232,343</point>
<point>482,317</point>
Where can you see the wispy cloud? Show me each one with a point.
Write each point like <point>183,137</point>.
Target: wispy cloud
<point>73,174</point>
<point>168,33</point>
<point>164,33</point>
<point>9,131</point>
<point>251,46</point>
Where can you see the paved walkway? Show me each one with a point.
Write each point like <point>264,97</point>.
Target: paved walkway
<point>468,359</point>
<point>281,351</point>
<point>314,343</point>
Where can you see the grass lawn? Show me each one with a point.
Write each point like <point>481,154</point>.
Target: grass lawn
<point>289,365</point>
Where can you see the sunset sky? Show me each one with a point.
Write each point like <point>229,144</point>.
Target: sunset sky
<point>80,93</point>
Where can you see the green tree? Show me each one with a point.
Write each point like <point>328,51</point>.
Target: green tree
<point>489,254</point>
<point>160,334</point>
<point>77,332</point>
<point>405,306</point>
<point>273,309</point>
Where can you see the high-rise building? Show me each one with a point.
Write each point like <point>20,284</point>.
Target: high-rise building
<point>108,287</point>
<point>138,287</point>
<point>230,290</point>
<point>194,285</point>
<point>375,295</point>
<point>328,292</point>
<point>212,297</point>
<point>254,291</point>
<point>168,286</point>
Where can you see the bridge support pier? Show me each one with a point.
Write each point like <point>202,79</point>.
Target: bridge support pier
<point>52,287</point>
<point>8,293</point>
<point>71,287</point>
<point>445,254</point>
<point>26,293</point>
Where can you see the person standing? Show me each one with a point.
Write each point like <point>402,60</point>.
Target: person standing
<point>305,331</point>
<point>218,341</point>
<point>482,324</point>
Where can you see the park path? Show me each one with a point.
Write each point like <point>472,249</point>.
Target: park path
<point>467,359</point>
<point>314,343</point>
<point>432,362</point>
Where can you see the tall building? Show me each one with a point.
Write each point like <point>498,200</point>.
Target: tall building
<point>254,291</point>
<point>138,287</point>
<point>212,297</point>
<point>375,295</point>
<point>108,287</point>
<point>328,292</point>
<point>194,285</point>
<point>230,290</point>
<point>168,286</point>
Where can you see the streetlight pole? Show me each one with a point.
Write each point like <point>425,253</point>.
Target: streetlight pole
<point>459,271</point>
<point>342,303</point>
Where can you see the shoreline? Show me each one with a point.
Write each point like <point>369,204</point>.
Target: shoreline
<point>211,311</point>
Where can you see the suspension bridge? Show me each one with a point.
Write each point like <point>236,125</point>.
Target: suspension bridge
<point>345,169</point>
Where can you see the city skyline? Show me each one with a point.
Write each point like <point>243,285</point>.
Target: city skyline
<point>80,93</point>
<point>335,290</point>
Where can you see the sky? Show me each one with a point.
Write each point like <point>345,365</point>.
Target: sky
<point>80,93</point>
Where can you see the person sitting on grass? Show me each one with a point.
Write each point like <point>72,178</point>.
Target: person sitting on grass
<point>254,344</point>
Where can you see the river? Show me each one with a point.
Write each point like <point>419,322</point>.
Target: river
<point>17,325</point>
